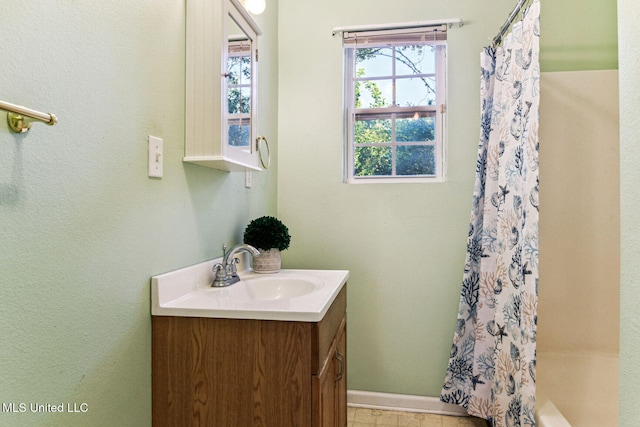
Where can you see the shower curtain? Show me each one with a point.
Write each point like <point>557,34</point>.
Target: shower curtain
<point>492,364</point>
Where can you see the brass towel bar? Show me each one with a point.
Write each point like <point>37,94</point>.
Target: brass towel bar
<point>17,114</point>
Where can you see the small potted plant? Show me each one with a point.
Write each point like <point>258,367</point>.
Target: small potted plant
<point>270,236</point>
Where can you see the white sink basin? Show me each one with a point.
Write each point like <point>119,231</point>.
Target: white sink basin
<point>271,288</point>
<point>291,295</point>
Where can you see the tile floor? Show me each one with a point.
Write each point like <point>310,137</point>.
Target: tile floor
<point>361,417</point>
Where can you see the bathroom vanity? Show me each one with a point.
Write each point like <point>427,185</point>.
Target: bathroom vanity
<point>266,363</point>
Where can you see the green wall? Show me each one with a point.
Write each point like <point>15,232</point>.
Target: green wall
<point>578,35</point>
<point>83,227</point>
<point>629,16</point>
<point>403,243</point>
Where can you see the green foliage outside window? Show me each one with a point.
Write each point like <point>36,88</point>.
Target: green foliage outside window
<point>373,129</point>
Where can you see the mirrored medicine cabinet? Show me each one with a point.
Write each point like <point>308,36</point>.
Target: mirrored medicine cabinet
<point>221,87</point>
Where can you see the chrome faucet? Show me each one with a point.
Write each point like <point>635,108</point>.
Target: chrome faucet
<point>226,273</point>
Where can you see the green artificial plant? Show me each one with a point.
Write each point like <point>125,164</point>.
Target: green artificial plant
<point>267,233</point>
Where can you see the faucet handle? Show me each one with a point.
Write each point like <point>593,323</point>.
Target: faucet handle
<point>218,269</point>
<point>232,265</point>
<point>220,275</point>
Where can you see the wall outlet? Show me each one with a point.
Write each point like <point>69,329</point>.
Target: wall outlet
<point>248,179</point>
<point>155,157</point>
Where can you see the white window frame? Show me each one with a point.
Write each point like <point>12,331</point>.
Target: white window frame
<point>439,109</point>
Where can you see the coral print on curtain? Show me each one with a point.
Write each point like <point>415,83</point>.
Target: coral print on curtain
<point>492,365</point>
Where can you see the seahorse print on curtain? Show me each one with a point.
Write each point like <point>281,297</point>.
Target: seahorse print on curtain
<point>492,365</point>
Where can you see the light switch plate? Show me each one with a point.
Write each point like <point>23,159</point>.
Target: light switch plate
<point>155,157</point>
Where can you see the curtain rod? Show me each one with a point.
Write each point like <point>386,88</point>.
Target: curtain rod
<point>497,39</point>
<point>380,27</point>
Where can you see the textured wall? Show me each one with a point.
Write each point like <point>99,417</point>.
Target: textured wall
<point>403,243</point>
<point>628,18</point>
<point>83,227</point>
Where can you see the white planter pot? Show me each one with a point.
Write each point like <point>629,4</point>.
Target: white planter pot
<point>268,261</point>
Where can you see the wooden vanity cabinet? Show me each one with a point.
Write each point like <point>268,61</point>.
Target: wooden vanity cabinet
<point>246,373</point>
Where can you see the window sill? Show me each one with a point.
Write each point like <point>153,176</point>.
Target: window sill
<point>397,180</point>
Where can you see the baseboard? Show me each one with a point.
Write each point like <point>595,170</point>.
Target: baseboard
<point>401,402</point>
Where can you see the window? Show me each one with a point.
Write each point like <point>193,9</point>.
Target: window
<point>395,104</point>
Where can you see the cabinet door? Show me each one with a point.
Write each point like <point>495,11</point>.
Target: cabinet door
<point>221,78</point>
<point>341,379</point>
<point>330,387</point>
<point>239,91</point>
<point>324,402</point>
